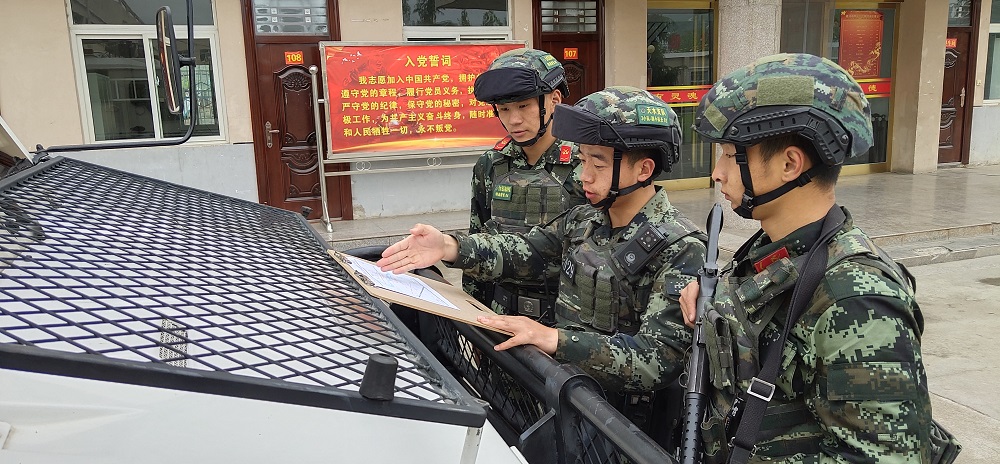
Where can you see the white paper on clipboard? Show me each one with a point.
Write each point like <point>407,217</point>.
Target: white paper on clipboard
<point>399,283</point>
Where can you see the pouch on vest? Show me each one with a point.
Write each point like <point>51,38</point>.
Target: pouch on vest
<point>944,446</point>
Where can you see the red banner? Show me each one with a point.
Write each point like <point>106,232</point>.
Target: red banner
<point>681,95</point>
<point>408,97</point>
<point>861,42</point>
<point>876,88</point>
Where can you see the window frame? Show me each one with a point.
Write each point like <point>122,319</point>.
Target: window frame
<point>993,29</point>
<point>461,33</point>
<point>147,34</point>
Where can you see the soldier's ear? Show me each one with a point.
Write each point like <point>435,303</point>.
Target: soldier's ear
<point>794,162</point>
<point>557,96</point>
<point>646,169</point>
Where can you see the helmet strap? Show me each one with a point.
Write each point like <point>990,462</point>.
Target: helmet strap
<point>749,200</point>
<point>615,193</point>
<point>543,125</point>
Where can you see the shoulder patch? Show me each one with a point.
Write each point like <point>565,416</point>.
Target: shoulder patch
<point>565,153</point>
<point>503,143</point>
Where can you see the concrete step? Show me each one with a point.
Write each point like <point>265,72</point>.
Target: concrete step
<point>942,245</point>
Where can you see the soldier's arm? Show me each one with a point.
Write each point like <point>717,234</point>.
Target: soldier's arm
<point>480,212</point>
<point>481,185</point>
<point>654,357</point>
<point>493,256</point>
<point>870,388</point>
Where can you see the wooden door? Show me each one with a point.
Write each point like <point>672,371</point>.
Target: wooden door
<point>281,105</point>
<point>955,96</point>
<point>573,35</point>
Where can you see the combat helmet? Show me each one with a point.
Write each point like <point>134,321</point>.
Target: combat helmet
<point>625,119</point>
<point>782,94</point>
<point>518,75</point>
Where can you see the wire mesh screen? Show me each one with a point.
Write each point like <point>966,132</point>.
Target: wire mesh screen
<point>508,397</point>
<point>98,261</point>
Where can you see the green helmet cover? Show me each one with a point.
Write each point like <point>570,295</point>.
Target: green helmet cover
<point>504,81</point>
<point>789,93</point>
<point>625,118</point>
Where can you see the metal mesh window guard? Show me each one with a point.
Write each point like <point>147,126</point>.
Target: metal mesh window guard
<point>103,263</point>
<point>573,424</point>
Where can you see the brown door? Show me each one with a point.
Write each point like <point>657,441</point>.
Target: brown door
<point>573,34</point>
<point>955,96</point>
<point>281,105</point>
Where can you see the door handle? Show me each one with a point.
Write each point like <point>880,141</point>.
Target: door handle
<point>962,95</point>
<point>268,131</point>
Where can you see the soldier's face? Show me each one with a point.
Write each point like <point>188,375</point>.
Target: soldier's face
<point>597,170</point>
<point>727,174</point>
<point>521,118</point>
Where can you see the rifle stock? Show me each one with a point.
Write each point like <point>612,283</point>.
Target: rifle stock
<point>695,396</point>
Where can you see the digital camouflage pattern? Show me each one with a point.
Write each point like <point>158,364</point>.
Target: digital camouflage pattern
<point>654,355</point>
<point>510,158</point>
<point>625,105</point>
<point>852,385</point>
<point>550,71</point>
<point>788,79</point>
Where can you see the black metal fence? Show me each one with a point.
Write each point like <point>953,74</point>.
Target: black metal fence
<point>536,402</point>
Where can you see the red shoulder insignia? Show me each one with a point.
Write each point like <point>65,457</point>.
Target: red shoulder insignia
<point>565,153</point>
<point>770,259</point>
<point>502,143</point>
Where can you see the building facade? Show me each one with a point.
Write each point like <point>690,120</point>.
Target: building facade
<point>86,71</point>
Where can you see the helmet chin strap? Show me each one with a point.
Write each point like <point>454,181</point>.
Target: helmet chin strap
<point>614,193</point>
<point>542,127</point>
<point>749,200</point>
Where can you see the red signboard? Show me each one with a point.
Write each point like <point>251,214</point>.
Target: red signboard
<point>293,57</point>
<point>861,42</point>
<point>681,95</point>
<point>951,42</point>
<point>408,97</point>
<point>571,54</point>
<point>876,88</point>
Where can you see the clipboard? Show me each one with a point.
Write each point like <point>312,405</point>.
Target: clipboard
<point>466,310</point>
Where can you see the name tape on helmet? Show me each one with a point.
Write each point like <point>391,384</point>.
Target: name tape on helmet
<point>650,115</point>
<point>550,62</point>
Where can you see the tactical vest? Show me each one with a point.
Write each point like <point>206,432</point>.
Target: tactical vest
<point>598,293</point>
<point>522,199</point>
<point>735,336</point>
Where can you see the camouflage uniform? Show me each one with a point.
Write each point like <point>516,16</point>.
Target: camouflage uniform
<point>619,320</point>
<point>851,385</point>
<point>510,195</point>
<point>490,170</point>
<point>649,352</point>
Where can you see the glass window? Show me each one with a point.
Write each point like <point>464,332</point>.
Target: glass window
<point>119,89</point>
<point>959,13</point>
<point>564,16</point>
<point>137,12</point>
<point>121,73</point>
<point>992,91</point>
<point>680,69</point>
<point>290,17</point>
<point>455,13</point>
<point>175,125</point>
<point>859,39</point>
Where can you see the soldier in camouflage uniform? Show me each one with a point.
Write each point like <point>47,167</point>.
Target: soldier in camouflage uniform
<point>617,316</point>
<point>851,385</point>
<point>527,179</point>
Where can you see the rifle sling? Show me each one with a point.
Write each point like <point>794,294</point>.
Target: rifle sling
<point>743,443</point>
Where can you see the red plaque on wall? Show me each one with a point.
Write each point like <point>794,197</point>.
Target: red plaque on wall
<point>861,42</point>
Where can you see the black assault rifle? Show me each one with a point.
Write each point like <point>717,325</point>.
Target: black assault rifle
<point>695,396</point>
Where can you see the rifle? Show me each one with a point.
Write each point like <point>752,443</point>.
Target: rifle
<point>695,397</point>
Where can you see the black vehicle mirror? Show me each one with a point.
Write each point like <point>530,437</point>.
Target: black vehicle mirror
<point>169,60</point>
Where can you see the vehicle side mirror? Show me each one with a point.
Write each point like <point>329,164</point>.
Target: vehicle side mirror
<point>169,60</point>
